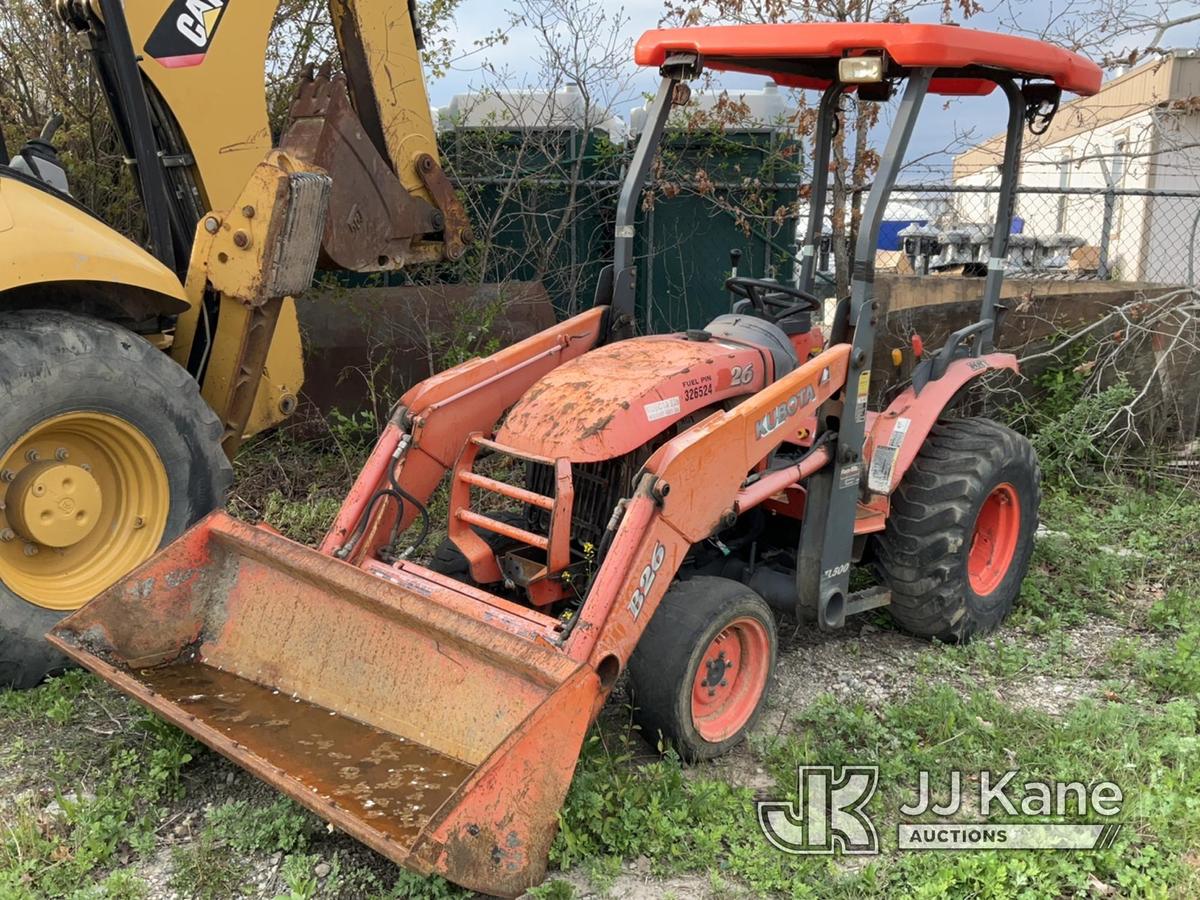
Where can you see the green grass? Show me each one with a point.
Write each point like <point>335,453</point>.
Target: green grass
<point>554,889</point>
<point>205,870</point>
<point>1146,737</point>
<point>55,701</point>
<point>110,807</point>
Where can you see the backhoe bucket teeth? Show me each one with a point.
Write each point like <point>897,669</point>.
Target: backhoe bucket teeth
<point>442,741</point>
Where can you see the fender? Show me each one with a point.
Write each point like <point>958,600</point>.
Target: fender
<point>898,433</point>
<point>54,253</point>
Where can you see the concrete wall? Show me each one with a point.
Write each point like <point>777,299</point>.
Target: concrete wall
<point>936,306</point>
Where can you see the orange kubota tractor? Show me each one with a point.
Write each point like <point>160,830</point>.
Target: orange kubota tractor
<point>666,492</point>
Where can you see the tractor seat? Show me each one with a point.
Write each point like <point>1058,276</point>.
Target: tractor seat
<point>747,329</point>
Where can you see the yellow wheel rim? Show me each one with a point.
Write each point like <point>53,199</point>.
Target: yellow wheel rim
<point>84,500</point>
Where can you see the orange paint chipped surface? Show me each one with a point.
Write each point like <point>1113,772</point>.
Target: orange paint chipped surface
<point>611,401</point>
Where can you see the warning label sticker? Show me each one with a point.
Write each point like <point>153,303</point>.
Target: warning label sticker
<point>860,404</point>
<point>663,409</point>
<point>883,463</point>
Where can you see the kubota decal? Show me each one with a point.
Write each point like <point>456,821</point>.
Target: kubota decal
<point>772,421</point>
<point>183,37</point>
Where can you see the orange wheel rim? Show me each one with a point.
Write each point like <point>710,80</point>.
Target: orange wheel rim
<point>994,542</point>
<point>731,679</point>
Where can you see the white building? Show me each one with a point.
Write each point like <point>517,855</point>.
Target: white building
<point>1141,132</point>
<point>566,108</point>
<point>766,108</point>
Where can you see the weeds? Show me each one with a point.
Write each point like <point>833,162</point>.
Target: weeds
<point>297,874</point>
<point>204,870</point>
<point>555,889</point>
<point>1152,754</point>
<point>617,807</point>
<point>119,885</point>
<point>602,872</point>
<point>255,828</point>
<point>1174,670</point>
<point>54,701</point>
<point>91,825</point>
<point>410,886</point>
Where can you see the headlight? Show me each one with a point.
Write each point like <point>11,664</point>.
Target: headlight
<point>860,69</point>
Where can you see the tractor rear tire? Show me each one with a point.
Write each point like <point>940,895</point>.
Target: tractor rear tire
<point>448,560</point>
<point>960,534</point>
<point>121,431</point>
<point>702,669</point>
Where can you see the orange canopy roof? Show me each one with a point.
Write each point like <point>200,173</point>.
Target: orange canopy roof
<point>805,55</point>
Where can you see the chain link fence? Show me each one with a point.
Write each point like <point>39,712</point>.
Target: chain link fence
<point>543,203</point>
<point>1060,233</point>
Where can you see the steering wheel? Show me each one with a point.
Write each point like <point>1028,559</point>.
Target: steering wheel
<point>772,300</point>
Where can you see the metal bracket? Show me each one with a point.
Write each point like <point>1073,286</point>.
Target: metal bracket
<point>866,600</point>
<point>176,161</point>
<point>1041,105</point>
<point>935,365</point>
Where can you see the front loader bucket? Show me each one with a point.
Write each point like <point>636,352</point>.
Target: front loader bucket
<point>394,710</point>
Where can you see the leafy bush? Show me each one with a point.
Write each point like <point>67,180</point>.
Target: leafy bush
<point>1070,438</point>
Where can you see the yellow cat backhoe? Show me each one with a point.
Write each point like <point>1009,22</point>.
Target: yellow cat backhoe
<point>129,376</point>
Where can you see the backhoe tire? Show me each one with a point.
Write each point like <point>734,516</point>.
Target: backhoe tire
<point>116,436</point>
<point>960,534</point>
<point>700,674</point>
<point>448,560</point>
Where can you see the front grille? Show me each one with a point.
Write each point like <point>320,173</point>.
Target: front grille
<point>598,489</point>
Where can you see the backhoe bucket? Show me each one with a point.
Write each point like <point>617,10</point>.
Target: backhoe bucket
<point>396,710</point>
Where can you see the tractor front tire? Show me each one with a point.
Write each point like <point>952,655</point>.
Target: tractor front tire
<point>700,673</point>
<point>107,453</point>
<point>960,534</point>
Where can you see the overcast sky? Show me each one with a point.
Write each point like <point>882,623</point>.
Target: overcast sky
<point>978,118</point>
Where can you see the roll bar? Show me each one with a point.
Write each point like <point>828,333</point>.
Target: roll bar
<point>623,306</point>
<point>680,67</point>
<point>833,492</point>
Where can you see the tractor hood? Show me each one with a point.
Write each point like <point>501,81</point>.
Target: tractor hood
<point>609,402</point>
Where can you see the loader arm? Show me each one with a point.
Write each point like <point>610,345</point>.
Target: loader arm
<point>186,83</point>
<point>207,73</point>
<point>434,422</point>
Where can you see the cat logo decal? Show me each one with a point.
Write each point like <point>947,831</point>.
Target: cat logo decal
<point>182,38</point>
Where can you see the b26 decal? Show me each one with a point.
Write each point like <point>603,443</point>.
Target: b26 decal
<point>646,581</point>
